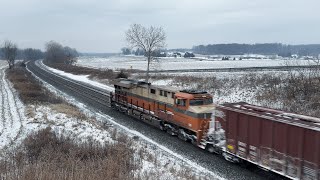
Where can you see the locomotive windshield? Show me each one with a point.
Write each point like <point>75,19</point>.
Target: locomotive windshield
<point>197,102</point>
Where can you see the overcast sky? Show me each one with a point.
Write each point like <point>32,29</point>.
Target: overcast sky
<point>99,25</point>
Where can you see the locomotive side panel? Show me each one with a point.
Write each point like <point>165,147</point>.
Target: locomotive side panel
<point>165,112</point>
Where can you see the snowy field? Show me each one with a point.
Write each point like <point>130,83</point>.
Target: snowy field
<point>3,63</point>
<point>133,62</point>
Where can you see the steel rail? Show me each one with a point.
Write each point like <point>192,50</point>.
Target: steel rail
<point>86,90</point>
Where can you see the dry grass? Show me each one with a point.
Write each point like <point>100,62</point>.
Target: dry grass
<point>30,90</point>
<point>44,155</point>
<point>69,110</point>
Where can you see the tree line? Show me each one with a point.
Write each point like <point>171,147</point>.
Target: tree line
<point>25,54</point>
<point>10,52</point>
<point>283,50</point>
<point>55,53</point>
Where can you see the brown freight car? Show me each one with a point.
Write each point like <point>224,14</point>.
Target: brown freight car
<point>286,143</point>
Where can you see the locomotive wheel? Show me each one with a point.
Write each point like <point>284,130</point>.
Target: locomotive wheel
<point>182,137</point>
<point>161,127</point>
<point>210,148</point>
<point>194,141</point>
<point>169,131</point>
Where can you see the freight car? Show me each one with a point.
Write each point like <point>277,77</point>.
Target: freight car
<point>285,143</point>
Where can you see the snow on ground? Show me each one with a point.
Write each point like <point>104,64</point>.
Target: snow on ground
<point>165,158</point>
<point>18,121</point>
<point>235,95</point>
<point>132,62</point>
<point>42,116</point>
<point>219,75</point>
<point>11,113</point>
<point>81,78</point>
<point>3,63</point>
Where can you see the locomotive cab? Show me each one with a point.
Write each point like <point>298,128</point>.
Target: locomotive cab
<point>197,107</point>
<point>181,100</point>
<point>194,101</point>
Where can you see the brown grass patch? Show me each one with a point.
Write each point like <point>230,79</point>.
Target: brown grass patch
<point>30,90</point>
<point>68,109</point>
<point>45,155</point>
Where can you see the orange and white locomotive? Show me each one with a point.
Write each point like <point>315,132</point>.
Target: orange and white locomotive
<point>186,114</point>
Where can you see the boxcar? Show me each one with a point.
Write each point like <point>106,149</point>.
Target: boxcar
<point>286,143</point>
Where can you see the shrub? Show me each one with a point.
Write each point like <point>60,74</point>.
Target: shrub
<point>122,74</point>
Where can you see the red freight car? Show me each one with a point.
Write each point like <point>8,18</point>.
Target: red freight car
<point>286,143</point>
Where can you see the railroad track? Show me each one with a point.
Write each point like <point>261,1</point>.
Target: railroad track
<point>80,90</point>
<point>98,99</point>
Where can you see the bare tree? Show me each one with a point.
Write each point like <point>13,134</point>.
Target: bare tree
<point>56,53</point>
<point>71,55</point>
<point>10,52</point>
<point>148,39</point>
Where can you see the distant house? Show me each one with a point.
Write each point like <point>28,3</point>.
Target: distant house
<point>177,54</point>
<point>188,55</point>
<point>162,54</point>
<point>295,56</point>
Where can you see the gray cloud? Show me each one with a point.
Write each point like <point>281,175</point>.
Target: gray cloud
<point>99,25</point>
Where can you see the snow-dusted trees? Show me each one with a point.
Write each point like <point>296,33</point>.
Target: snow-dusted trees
<point>148,39</point>
<point>10,52</point>
<point>125,51</point>
<point>56,53</point>
<point>32,54</point>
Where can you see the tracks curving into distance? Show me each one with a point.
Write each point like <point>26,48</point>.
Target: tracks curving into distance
<point>98,99</point>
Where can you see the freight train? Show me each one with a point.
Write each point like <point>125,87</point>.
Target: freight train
<point>285,143</point>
